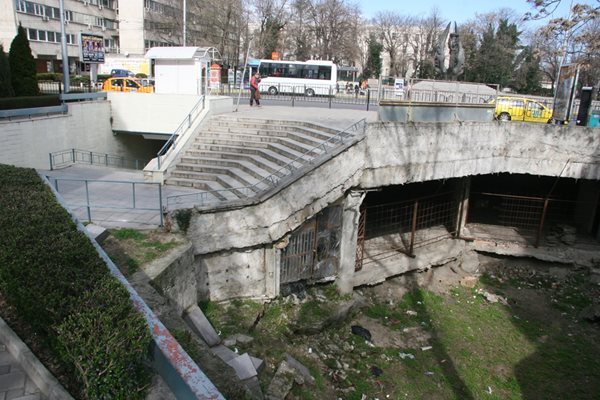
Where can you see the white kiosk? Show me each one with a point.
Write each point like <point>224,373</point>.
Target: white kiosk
<point>181,70</point>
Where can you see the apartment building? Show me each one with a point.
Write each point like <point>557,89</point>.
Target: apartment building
<point>128,27</point>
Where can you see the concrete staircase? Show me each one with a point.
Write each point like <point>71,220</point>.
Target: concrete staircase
<point>236,158</point>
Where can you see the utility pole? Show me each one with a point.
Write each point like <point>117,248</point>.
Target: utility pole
<point>63,42</point>
<point>184,21</point>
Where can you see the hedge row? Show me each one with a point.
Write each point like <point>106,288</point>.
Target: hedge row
<point>12,103</point>
<point>58,284</point>
<point>58,77</point>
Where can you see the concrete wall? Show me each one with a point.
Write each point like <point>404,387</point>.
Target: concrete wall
<point>174,276</point>
<point>27,142</point>
<point>149,112</point>
<point>248,273</point>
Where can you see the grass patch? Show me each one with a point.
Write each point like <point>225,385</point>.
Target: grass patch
<point>143,247</point>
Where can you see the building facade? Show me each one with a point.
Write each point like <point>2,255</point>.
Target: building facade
<point>128,28</point>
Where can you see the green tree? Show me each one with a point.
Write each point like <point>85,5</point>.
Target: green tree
<point>22,66</point>
<point>6,89</point>
<point>494,60</point>
<point>528,74</point>
<point>373,66</point>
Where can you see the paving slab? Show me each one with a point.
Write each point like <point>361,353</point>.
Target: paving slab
<point>199,324</point>
<point>243,366</point>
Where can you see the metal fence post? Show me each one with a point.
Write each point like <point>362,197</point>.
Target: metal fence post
<point>293,95</point>
<point>368,98</point>
<point>160,204</point>
<point>330,96</point>
<point>106,159</point>
<point>87,201</point>
<point>91,158</point>
<point>133,191</point>
<point>413,229</point>
<point>541,225</point>
<point>50,155</point>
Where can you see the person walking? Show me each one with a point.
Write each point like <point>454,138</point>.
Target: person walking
<point>254,92</point>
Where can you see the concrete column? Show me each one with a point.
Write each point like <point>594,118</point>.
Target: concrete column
<point>272,271</point>
<point>463,207</point>
<point>350,217</point>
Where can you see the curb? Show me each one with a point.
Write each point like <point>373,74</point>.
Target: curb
<point>34,369</point>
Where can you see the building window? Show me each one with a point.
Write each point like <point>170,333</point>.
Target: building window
<point>32,34</point>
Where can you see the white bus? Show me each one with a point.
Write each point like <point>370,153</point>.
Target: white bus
<point>309,78</point>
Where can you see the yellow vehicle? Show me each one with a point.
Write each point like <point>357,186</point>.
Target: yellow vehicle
<point>510,108</point>
<point>123,84</point>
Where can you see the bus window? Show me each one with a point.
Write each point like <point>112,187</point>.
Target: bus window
<point>324,72</point>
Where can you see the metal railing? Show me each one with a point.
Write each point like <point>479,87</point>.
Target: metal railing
<point>62,158</point>
<point>88,194</point>
<point>431,91</point>
<point>183,126</point>
<point>56,87</point>
<point>355,130</point>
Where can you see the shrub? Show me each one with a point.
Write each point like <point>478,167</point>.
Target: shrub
<point>50,76</point>
<point>22,66</point>
<point>54,278</point>
<point>141,75</point>
<point>6,89</point>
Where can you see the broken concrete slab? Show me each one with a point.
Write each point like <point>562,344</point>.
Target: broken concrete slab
<point>258,363</point>
<point>201,326</point>
<point>223,352</point>
<point>243,366</point>
<point>282,382</point>
<point>237,338</point>
<point>253,389</point>
<point>300,369</point>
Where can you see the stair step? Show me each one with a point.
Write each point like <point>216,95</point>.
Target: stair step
<point>254,159</point>
<point>256,140</point>
<point>238,174</point>
<point>271,155</point>
<point>297,135</point>
<point>250,168</point>
<point>214,190</point>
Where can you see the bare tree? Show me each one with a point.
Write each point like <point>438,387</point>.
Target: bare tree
<point>394,31</point>
<point>423,42</point>
<point>220,24</point>
<point>272,17</point>
<point>335,25</point>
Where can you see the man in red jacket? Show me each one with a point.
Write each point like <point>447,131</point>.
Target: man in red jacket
<point>254,93</point>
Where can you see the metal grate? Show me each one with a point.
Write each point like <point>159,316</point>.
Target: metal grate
<point>297,259</point>
<point>416,222</point>
<point>521,217</point>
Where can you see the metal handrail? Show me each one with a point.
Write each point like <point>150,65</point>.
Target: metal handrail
<point>172,141</point>
<point>76,156</point>
<point>88,204</point>
<point>274,178</point>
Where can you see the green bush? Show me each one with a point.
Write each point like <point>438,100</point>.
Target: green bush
<point>141,75</point>
<point>12,103</point>
<point>50,76</point>
<point>54,278</point>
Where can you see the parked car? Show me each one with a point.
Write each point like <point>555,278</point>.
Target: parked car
<point>121,73</point>
<point>509,108</point>
<point>125,85</point>
<point>146,81</point>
